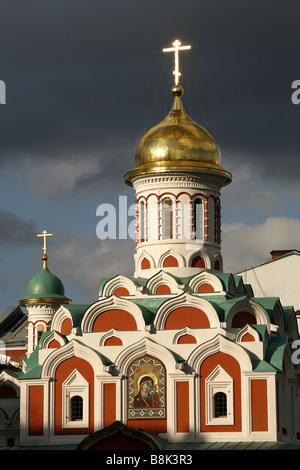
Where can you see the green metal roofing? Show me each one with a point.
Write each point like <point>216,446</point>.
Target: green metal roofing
<point>262,366</point>
<point>275,351</point>
<point>261,330</point>
<point>268,303</point>
<point>76,311</point>
<point>149,307</point>
<point>45,285</point>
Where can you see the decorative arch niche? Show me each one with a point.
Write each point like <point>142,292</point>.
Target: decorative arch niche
<point>198,262</point>
<point>186,311</point>
<point>145,264</point>
<point>170,262</point>
<point>118,319</point>
<point>192,317</point>
<point>113,313</point>
<point>146,389</point>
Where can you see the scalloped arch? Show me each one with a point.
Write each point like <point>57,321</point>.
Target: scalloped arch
<point>186,300</point>
<point>251,307</point>
<point>180,262</point>
<point>72,349</point>
<point>109,304</point>
<point>205,278</point>
<point>141,348</point>
<point>118,282</point>
<point>59,317</point>
<point>162,278</point>
<point>219,344</point>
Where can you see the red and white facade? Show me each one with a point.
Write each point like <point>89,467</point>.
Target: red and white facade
<point>180,349</point>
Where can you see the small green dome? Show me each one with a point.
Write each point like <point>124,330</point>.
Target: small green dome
<point>45,286</point>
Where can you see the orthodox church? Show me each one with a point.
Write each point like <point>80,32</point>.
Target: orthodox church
<point>180,354</point>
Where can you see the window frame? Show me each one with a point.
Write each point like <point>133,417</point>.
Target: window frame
<point>75,385</point>
<point>219,381</point>
<point>167,209</point>
<point>198,218</point>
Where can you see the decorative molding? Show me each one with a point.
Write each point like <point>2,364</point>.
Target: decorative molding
<point>111,334</point>
<point>54,336</point>
<point>59,317</point>
<point>72,349</point>
<point>184,331</point>
<point>162,278</point>
<point>247,329</point>
<point>219,344</point>
<point>112,302</point>
<point>185,300</point>
<point>116,282</point>
<point>252,307</point>
<point>141,348</point>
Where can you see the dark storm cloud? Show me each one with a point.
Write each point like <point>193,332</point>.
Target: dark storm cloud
<point>81,77</point>
<point>15,231</point>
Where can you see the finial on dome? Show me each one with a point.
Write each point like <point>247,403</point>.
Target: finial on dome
<point>45,257</point>
<point>177,90</point>
<point>177,47</point>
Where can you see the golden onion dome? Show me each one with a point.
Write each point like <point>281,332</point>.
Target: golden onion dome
<point>177,144</point>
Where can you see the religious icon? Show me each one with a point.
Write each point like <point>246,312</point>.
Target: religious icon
<point>147,395</point>
<point>146,387</point>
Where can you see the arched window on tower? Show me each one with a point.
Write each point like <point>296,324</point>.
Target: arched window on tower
<point>39,332</point>
<point>197,230</point>
<point>167,219</point>
<point>142,222</point>
<point>217,222</point>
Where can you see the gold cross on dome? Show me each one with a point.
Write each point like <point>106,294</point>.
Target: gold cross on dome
<point>45,235</point>
<point>177,47</point>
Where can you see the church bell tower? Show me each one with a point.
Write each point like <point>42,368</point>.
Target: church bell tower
<point>177,179</point>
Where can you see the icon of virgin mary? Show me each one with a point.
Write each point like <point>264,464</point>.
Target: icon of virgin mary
<point>147,396</point>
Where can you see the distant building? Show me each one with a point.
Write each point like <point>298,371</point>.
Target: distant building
<point>280,276</point>
<point>180,352</point>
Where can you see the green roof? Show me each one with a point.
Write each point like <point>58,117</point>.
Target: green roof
<point>275,351</point>
<point>45,285</point>
<point>76,311</point>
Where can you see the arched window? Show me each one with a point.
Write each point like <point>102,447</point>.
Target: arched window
<point>142,222</point>
<point>76,411</point>
<point>217,222</point>
<point>197,232</point>
<point>39,331</point>
<point>167,219</point>
<point>220,405</point>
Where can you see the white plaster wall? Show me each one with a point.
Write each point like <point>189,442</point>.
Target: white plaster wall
<point>277,278</point>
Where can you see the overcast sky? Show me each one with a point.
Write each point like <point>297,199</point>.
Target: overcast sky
<point>81,77</point>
